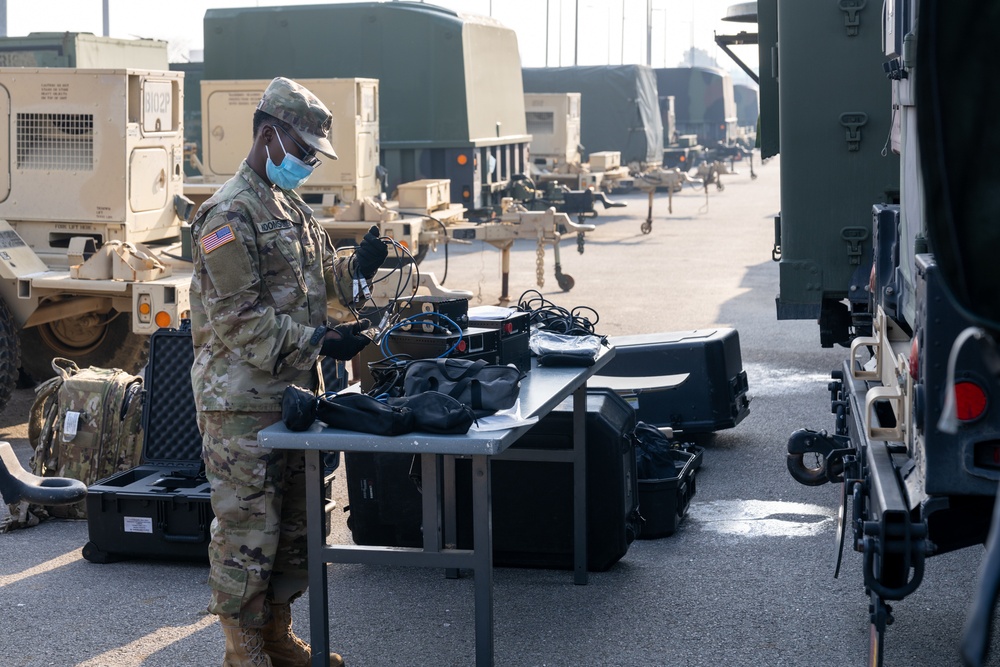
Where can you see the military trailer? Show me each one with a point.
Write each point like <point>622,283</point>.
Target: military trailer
<point>450,83</point>
<point>227,108</point>
<point>618,109</point>
<point>704,104</point>
<point>553,121</point>
<point>915,430</point>
<point>93,182</point>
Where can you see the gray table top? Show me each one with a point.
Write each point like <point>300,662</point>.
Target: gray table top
<point>542,389</point>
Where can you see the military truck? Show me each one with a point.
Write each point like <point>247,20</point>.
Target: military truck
<point>913,444</point>
<point>618,109</point>
<point>704,104</point>
<point>464,123</point>
<point>91,208</point>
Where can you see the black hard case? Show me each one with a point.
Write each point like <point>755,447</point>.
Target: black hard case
<point>663,503</point>
<point>532,500</point>
<point>159,509</point>
<point>714,395</point>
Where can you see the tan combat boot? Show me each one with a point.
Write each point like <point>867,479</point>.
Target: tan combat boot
<point>244,646</point>
<point>281,644</point>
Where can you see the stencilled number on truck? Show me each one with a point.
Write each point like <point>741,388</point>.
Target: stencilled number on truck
<point>157,106</point>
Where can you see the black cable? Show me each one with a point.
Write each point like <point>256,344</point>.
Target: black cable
<point>547,316</point>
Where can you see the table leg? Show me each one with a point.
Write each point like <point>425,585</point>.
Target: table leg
<point>580,485</point>
<point>483,559</point>
<point>450,517</point>
<point>430,494</point>
<point>319,611</point>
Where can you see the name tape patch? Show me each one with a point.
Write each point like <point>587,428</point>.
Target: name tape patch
<point>217,239</point>
<point>273,225</point>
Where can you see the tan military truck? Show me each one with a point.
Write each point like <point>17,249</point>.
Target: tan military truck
<point>91,207</point>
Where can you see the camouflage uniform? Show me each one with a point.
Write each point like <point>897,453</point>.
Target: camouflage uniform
<point>263,272</point>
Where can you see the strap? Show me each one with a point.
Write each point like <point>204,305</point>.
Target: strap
<point>472,369</point>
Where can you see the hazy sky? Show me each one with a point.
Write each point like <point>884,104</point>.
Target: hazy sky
<point>675,24</point>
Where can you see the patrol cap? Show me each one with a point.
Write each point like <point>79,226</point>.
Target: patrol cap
<point>296,105</point>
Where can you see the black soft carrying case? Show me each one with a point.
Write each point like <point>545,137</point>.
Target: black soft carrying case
<point>159,509</point>
<point>532,500</point>
<point>712,397</point>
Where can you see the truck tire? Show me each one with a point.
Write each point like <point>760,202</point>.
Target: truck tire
<point>10,354</point>
<point>89,340</point>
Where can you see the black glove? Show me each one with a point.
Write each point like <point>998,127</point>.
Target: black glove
<point>370,254</point>
<point>345,340</point>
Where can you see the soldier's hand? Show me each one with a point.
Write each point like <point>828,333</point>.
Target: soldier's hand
<point>345,340</point>
<point>371,253</point>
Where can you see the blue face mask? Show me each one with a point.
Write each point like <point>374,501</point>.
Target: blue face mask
<point>291,173</point>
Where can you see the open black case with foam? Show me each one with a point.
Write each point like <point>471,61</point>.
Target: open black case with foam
<point>159,509</point>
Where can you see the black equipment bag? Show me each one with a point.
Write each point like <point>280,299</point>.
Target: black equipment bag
<point>160,509</point>
<point>532,501</point>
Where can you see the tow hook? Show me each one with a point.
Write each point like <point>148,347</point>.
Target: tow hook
<point>828,451</point>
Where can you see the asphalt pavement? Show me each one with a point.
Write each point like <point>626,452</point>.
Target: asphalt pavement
<point>747,580</point>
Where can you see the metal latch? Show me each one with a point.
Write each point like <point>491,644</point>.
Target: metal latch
<point>854,236</point>
<point>852,21</point>
<point>853,120</point>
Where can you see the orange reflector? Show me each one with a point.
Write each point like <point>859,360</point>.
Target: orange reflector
<point>465,194</point>
<point>163,319</point>
<point>683,158</point>
<point>462,159</point>
<point>404,244</point>
<point>144,308</point>
<point>970,400</point>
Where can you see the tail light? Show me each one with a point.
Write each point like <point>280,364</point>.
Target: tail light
<point>970,401</point>
<point>915,359</point>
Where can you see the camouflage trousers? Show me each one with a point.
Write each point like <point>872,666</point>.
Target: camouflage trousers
<point>258,548</point>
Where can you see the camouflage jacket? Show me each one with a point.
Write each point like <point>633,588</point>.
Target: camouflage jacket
<point>263,271</point>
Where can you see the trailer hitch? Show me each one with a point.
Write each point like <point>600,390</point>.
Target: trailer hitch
<point>828,460</point>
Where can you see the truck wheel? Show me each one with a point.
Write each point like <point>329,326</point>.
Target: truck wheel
<point>10,354</point>
<point>89,340</point>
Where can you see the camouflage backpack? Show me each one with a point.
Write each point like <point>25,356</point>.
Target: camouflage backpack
<point>84,424</point>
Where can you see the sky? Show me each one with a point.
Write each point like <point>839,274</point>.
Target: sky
<point>609,31</point>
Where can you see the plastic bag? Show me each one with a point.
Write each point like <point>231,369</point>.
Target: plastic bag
<point>556,349</point>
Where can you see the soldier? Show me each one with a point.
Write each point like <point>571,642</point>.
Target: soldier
<point>263,271</point>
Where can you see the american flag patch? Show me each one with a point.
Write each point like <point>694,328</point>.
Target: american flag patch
<point>219,237</point>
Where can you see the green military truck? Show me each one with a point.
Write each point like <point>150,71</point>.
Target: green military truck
<point>914,441</point>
